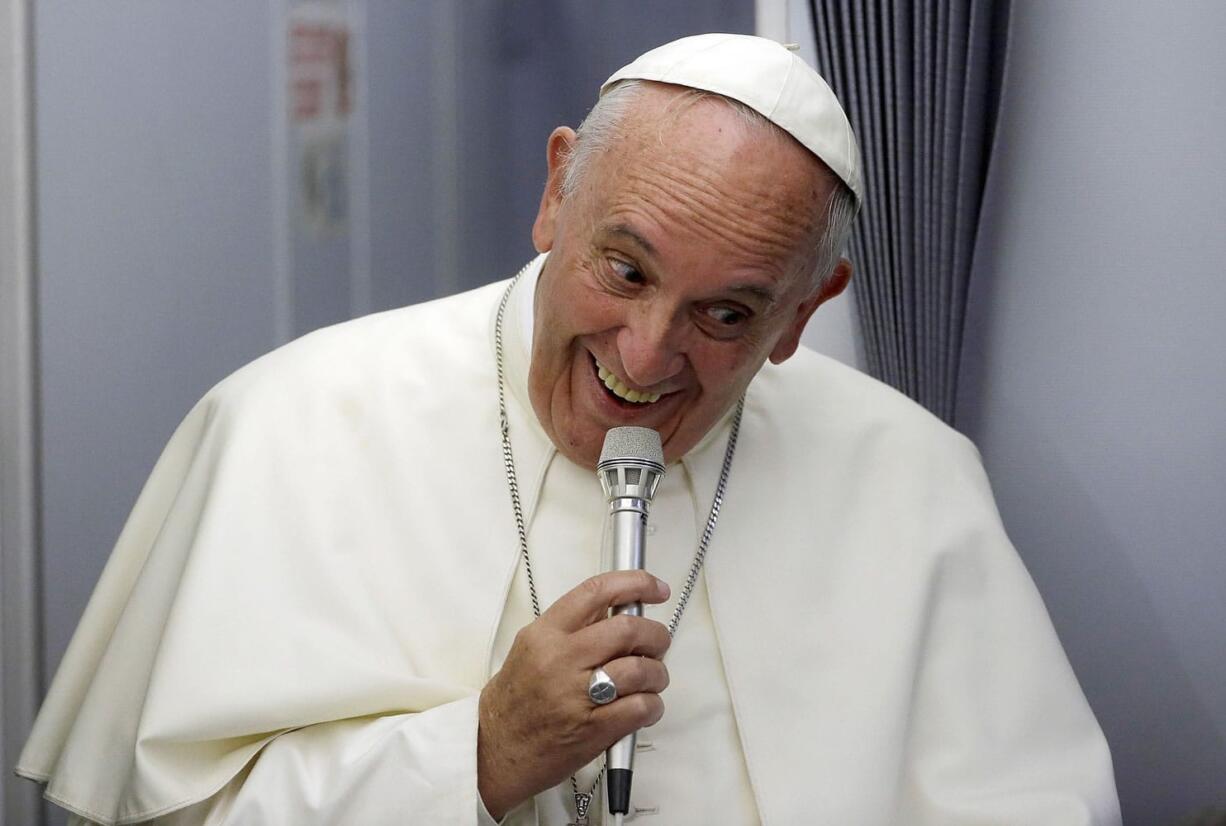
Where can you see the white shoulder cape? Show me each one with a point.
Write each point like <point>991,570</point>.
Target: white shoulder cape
<point>328,537</point>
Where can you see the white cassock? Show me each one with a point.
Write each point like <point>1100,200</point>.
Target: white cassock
<point>322,573</point>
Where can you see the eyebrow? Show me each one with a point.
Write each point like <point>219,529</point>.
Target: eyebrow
<point>628,232</point>
<point>765,294</point>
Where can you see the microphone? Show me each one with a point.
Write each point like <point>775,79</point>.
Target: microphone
<point>630,469</point>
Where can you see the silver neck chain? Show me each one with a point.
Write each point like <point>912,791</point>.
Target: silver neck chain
<point>582,801</point>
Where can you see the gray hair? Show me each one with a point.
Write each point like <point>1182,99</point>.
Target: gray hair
<point>601,128</point>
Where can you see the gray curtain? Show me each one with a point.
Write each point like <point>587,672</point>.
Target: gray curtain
<point>921,84</point>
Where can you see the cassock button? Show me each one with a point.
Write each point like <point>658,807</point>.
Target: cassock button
<point>644,745</point>
<point>637,811</point>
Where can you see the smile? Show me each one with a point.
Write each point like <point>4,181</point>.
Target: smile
<point>618,388</point>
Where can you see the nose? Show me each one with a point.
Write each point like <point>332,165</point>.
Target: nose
<point>651,346</point>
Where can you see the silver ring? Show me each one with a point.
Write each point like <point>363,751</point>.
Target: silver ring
<point>601,688</point>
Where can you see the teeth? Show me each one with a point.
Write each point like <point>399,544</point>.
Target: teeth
<point>620,390</point>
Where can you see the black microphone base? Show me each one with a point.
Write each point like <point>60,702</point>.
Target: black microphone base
<point>618,790</point>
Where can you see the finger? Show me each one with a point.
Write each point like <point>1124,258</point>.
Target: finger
<point>627,714</point>
<point>618,636</point>
<point>591,599</point>
<point>633,675</point>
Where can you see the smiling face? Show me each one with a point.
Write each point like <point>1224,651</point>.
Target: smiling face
<point>676,268</point>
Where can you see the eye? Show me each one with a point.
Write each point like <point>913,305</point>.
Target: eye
<point>727,316</point>
<point>626,272</point>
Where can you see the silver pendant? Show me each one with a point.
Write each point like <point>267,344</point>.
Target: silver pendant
<point>582,802</point>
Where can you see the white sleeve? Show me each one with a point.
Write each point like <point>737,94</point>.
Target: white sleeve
<point>403,769</point>
<point>484,818</point>
<point>1001,731</point>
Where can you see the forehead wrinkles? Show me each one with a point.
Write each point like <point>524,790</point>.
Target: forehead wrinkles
<point>772,221</point>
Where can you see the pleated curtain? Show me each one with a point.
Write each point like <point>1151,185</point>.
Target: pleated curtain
<point>921,85</point>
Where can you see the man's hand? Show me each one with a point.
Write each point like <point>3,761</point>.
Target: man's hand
<point>536,725</point>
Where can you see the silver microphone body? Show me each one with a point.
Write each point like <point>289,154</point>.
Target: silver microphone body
<point>630,469</point>
<point>629,521</point>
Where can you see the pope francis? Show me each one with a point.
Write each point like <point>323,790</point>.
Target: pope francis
<point>363,583</point>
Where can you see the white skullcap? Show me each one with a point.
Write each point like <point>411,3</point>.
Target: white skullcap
<point>768,78</point>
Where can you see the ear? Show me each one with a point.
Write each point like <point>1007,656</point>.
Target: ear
<point>786,346</point>
<point>557,154</point>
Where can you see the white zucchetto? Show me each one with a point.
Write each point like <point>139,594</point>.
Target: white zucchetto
<point>768,78</point>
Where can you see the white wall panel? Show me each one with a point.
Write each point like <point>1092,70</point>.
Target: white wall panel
<point>154,231</point>
<point>20,619</point>
<point>834,330</point>
<point>1095,378</point>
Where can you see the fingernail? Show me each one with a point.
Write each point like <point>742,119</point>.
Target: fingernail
<point>663,588</point>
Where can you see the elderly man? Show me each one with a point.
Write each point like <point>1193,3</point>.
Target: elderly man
<point>346,539</point>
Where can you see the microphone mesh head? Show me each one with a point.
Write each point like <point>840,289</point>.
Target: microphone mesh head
<point>633,443</point>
